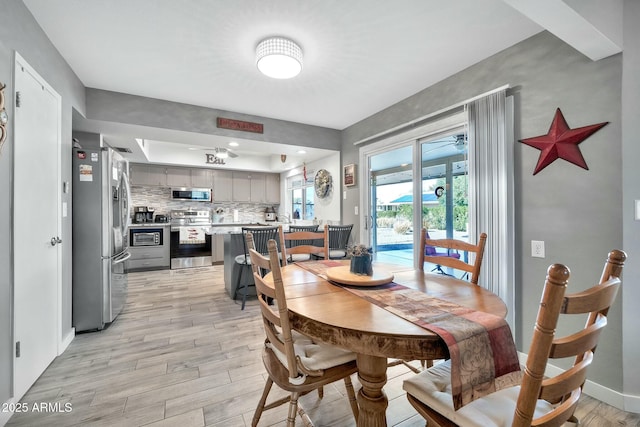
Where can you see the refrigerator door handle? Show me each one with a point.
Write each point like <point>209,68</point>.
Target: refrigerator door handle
<point>127,200</point>
<point>123,258</point>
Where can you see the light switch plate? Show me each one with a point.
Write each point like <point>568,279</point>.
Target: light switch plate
<point>355,211</point>
<point>637,210</point>
<point>537,248</point>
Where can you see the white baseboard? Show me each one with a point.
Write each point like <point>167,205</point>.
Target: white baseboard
<point>5,416</point>
<point>66,341</point>
<point>627,403</point>
<point>632,404</point>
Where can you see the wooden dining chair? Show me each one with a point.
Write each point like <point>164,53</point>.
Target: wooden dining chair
<point>302,245</point>
<point>538,400</point>
<point>293,361</point>
<point>261,235</point>
<point>450,257</point>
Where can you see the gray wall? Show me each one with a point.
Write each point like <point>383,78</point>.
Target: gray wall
<point>19,32</point>
<point>583,209</point>
<point>155,113</point>
<point>576,212</point>
<point>631,192</point>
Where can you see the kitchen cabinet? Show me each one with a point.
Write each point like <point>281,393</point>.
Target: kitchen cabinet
<point>242,186</point>
<point>153,175</point>
<point>256,187</point>
<point>150,257</point>
<point>222,186</point>
<point>272,188</point>
<point>228,186</point>
<point>178,177</point>
<point>202,178</point>
<point>217,252</point>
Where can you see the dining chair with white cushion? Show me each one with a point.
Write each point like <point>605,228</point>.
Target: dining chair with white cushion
<point>301,245</point>
<point>537,400</point>
<point>293,361</point>
<point>339,236</point>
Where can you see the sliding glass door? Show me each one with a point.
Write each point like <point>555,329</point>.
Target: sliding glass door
<point>411,184</point>
<point>390,204</point>
<point>445,186</point>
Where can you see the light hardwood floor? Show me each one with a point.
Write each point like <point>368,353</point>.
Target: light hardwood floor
<point>183,354</point>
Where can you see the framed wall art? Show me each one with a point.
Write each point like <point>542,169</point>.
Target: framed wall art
<point>349,176</point>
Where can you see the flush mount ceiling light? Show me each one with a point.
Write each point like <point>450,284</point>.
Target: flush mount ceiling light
<point>279,58</point>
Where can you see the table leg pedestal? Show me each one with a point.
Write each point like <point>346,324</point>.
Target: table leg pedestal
<point>372,401</point>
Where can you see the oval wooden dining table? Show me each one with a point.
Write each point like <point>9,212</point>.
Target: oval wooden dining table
<point>329,313</point>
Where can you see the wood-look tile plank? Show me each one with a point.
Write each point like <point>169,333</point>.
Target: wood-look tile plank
<point>194,418</point>
<point>223,392</point>
<point>108,392</point>
<point>183,354</point>
<point>174,391</point>
<point>143,416</point>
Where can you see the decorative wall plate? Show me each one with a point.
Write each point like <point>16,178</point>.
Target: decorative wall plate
<point>4,118</point>
<point>323,183</point>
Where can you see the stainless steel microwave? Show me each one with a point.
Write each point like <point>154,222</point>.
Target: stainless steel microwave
<point>146,237</point>
<point>193,194</point>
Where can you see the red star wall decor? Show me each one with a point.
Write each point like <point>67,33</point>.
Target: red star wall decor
<point>561,142</point>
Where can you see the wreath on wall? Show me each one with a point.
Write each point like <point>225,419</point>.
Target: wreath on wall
<point>4,118</point>
<point>322,183</point>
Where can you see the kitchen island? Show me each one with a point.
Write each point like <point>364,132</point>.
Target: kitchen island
<point>233,242</point>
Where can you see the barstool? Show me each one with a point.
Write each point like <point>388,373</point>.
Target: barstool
<point>261,235</point>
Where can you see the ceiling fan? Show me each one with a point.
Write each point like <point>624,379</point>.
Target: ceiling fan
<point>223,153</point>
<point>459,142</point>
<point>218,152</point>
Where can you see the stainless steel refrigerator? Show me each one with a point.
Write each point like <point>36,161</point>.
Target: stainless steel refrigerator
<point>101,200</point>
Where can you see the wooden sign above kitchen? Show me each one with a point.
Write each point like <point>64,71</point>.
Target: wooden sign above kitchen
<point>240,125</point>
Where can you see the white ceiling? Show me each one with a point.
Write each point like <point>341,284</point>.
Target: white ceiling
<point>360,56</point>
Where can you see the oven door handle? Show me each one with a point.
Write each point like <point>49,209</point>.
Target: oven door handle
<point>122,258</point>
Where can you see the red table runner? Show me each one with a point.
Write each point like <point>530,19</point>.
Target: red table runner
<point>483,355</point>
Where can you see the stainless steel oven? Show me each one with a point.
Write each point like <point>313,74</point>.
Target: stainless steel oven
<point>145,237</point>
<point>190,239</point>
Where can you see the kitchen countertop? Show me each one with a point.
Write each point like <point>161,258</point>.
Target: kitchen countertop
<point>214,228</point>
<point>236,228</point>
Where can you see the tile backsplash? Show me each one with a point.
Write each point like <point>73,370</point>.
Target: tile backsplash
<point>159,198</point>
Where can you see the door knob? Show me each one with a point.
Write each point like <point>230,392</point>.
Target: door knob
<point>55,240</point>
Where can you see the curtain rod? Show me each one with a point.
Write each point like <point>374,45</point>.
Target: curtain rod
<point>430,115</point>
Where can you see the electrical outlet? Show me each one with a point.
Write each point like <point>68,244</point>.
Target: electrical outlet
<point>537,248</point>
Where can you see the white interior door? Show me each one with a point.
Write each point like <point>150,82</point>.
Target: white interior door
<point>36,245</point>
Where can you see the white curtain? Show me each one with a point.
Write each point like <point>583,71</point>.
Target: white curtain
<point>491,191</point>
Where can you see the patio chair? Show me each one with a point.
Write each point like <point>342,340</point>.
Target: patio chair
<point>538,400</point>
<point>293,361</point>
